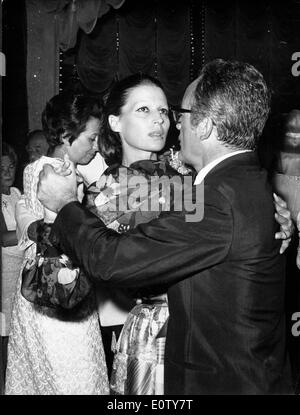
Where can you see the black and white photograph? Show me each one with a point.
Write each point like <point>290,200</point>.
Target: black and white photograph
<point>150,193</point>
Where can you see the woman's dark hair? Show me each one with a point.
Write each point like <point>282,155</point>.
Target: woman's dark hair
<point>8,151</point>
<point>110,145</point>
<point>66,115</point>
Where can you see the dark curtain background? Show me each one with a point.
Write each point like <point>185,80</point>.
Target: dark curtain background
<point>142,36</point>
<point>14,97</point>
<point>264,33</point>
<point>172,40</point>
<point>97,55</point>
<point>160,38</point>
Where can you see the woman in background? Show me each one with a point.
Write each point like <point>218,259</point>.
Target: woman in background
<point>11,255</point>
<point>50,352</point>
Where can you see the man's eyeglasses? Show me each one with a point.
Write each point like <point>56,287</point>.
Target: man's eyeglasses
<point>177,113</point>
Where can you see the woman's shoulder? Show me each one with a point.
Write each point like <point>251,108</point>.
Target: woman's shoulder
<point>30,182</point>
<point>35,167</point>
<point>15,192</point>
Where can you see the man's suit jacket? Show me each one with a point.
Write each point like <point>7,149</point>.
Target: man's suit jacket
<point>226,332</point>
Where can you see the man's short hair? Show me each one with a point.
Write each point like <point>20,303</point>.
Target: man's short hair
<point>236,98</point>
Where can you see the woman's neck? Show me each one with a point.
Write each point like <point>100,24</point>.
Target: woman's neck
<point>59,152</point>
<point>132,157</point>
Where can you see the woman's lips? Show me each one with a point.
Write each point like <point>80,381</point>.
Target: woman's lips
<point>158,134</point>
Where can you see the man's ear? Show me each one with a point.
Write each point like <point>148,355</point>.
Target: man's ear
<point>114,123</point>
<point>204,128</point>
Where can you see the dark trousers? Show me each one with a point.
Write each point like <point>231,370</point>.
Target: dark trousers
<point>107,336</point>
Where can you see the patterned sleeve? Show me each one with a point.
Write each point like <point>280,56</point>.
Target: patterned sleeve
<point>48,278</point>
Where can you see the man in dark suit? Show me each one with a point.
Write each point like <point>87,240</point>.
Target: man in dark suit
<point>226,332</point>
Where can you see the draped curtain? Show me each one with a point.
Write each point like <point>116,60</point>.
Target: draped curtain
<point>137,34</point>
<point>14,93</point>
<point>142,36</point>
<point>42,59</point>
<point>173,48</point>
<point>97,61</point>
<point>170,39</point>
<point>262,32</point>
<point>173,39</point>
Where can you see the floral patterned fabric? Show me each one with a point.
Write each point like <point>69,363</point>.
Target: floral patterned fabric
<point>42,277</point>
<point>124,197</point>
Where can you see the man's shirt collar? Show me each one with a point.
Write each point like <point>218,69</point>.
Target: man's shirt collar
<point>203,172</point>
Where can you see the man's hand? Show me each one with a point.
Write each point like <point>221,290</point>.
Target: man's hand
<point>283,217</point>
<point>56,188</point>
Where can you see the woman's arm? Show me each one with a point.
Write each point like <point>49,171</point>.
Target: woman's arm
<point>8,238</point>
<point>25,220</point>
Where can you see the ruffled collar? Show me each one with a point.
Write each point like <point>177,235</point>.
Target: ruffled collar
<point>144,167</point>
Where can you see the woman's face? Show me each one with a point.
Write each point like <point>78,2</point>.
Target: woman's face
<point>37,147</point>
<point>8,172</point>
<point>143,123</point>
<point>83,149</point>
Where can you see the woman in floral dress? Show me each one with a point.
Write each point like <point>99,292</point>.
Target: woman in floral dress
<point>50,351</point>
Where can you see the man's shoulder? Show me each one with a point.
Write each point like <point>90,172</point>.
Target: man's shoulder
<point>241,184</point>
<point>239,172</point>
